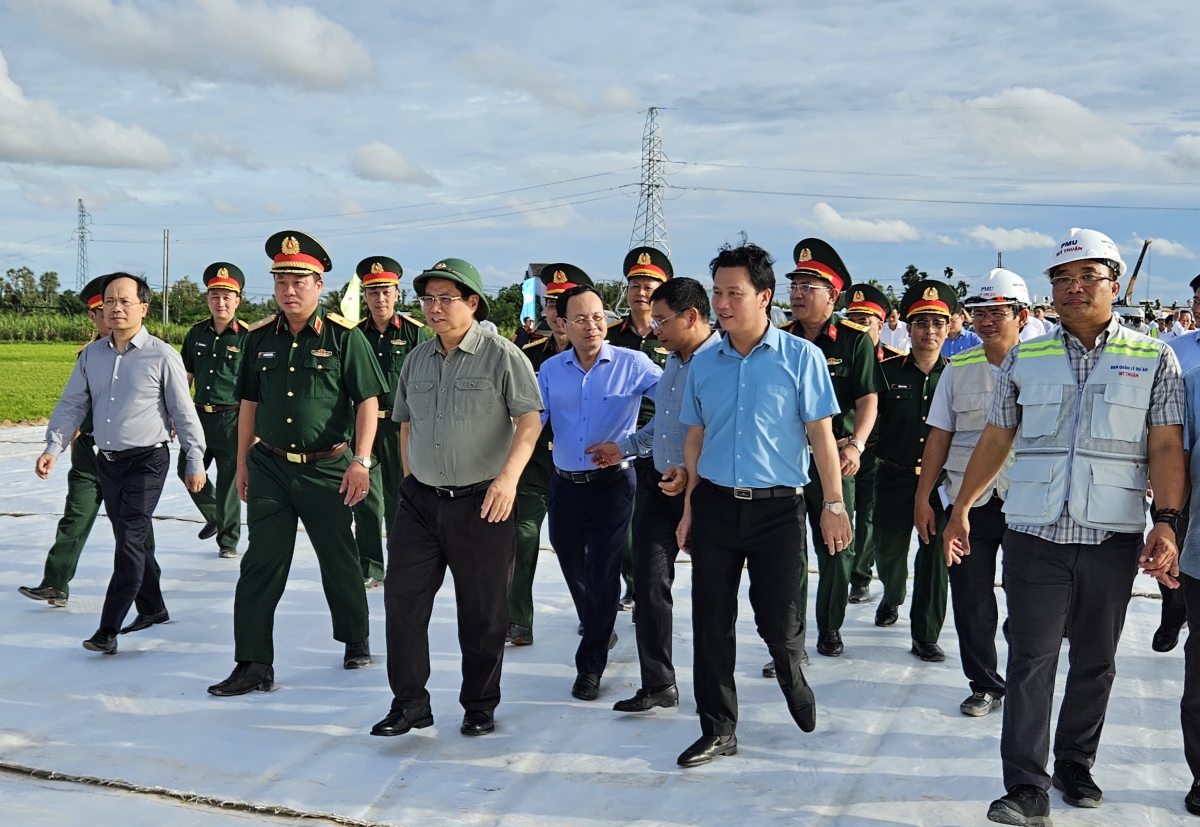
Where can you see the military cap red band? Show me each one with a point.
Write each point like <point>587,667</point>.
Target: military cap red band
<point>819,270</point>
<point>867,307</point>
<point>95,301</point>
<point>928,306</point>
<point>648,270</point>
<point>375,279</point>
<point>287,262</point>
<point>224,283</point>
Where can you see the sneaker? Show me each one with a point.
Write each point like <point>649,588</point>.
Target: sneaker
<point>1075,782</point>
<point>980,704</point>
<point>1024,805</point>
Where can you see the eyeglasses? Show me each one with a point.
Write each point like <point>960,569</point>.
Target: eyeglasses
<point>443,302</point>
<point>123,303</point>
<point>806,289</point>
<point>656,325</point>
<point>926,324</point>
<point>1087,280</point>
<point>1195,302</point>
<point>598,320</point>
<point>995,314</point>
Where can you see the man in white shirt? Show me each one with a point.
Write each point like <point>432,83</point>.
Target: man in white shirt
<point>895,333</point>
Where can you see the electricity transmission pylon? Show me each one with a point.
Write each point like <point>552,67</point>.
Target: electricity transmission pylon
<point>81,234</point>
<point>650,225</point>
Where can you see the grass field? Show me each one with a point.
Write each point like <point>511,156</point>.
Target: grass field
<point>32,377</point>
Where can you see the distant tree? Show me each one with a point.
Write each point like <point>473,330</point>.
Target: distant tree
<point>912,275</point>
<point>48,288</point>
<point>961,288</point>
<point>613,292</point>
<point>948,273</point>
<point>70,304</point>
<point>505,307</point>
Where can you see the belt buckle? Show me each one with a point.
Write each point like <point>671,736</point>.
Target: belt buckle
<point>917,470</point>
<point>743,493</point>
<point>208,408</point>
<point>294,457</point>
<point>384,414</point>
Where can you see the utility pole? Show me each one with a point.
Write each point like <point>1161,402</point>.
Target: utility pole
<point>999,259</point>
<point>650,225</point>
<point>166,269</point>
<point>81,234</point>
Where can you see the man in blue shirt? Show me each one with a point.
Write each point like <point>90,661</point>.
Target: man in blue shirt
<point>755,403</point>
<point>958,339</point>
<point>591,395</point>
<point>1189,582</point>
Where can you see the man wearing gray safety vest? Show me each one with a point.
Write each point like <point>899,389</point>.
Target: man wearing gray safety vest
<point>1088,412</point>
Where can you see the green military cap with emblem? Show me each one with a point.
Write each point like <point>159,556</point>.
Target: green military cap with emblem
<point>815,257</point>
<point>866,298</point>
<point>379,271</point>
<point>561,277</point>
<point>460,272</point>
<point>92,293</point>
<point>647,262</point>
<point>221,275</point>
<point>298,254</point>
<point>929,296</point>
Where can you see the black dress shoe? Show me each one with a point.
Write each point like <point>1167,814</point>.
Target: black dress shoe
<point>400,721</point>
<point>51,595</point>
<point>1165,639</point>
<point>104,642</point>
<point>886,614</point>
<point>357,655</point>
<point>145,622</point>
<point>247,676</point>
<point>1024,805</point>
<point>930,652</point>
<point>644,701</point>
<point>1075,782</point>
<point>518,635</point>
<point>829,644</point>
<point>1191,801</point>
<point>477,722</point>
<point>612,641</point>
<point>803,705</point>
<point>706,748</point>
<point>209,530</point>
<point>227,553</point>
<point>860,594</point>
<point>587,686</point>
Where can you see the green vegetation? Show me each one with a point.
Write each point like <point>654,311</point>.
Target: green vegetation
<point>32,377</point>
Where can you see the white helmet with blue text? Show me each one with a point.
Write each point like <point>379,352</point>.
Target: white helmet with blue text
<point>1087,245</point>
<point>998,286</point>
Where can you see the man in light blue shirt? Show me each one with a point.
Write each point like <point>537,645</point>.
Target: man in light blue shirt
<point>1189,584</point>
<point>755,403</point>
<point>958,339</point>
<point>591,395</point>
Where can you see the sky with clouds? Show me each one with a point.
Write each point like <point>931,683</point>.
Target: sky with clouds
<point>903,132</point>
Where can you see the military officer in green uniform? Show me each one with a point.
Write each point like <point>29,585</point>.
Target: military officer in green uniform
<point>391,336</point>
<point>867,306</point>
<point>909,382</point>
<point>817,283</point>
<point>309,381</point>
<point>645,268</point>
<point>83,487</point>
<point>212,354</point>
<point>534,485</point>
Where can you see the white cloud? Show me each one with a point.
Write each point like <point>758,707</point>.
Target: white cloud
<point>58,192</point>
<point>379,162</point>
<point>1161,246</point>
<point>224,207</point>
<point>213,148</point>
<point>1009,240</point>
<point>245,40</point>
<point>1039,125</point>
<point>1185,152</point>
<point>499,67</point>
<point>860,229</point>
<point>35,132</point>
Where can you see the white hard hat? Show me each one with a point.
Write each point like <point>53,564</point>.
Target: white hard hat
<point>1086,245</point>
<point>998,286</point>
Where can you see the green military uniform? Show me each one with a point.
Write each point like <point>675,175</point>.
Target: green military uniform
<point>214,361</point>
<point>377,510</point>
<point>640,262</point>
<point>306,386</point>
<point>903,408</point>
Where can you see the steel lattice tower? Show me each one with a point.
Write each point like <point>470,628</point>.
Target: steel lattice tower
<point>81,233</point>
<point>650,225</point>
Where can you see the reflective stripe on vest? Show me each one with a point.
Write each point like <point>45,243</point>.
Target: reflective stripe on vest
<point>972,385</point>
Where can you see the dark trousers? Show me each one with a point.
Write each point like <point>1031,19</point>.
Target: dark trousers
<point>378,508</point>
<point>1174,608</point>
<point>1189,706</point>
<point>864,519</point>
<point>532,490</point>
<point>219,503</point>
<point>655,518</point>
<point>589,523</point>
<point>641,466</point>
<point>280,493</point>
<point>767,538</point>
<point>433,533</point>
<point>131,490</point>
<point>833,584</point>
<point>973,587</point>
<point>1051,587</point>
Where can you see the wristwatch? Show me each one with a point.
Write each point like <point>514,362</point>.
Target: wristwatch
<point>834,508</point>
<point>857,443</point>
<point>365,462</point>
<point>1170,516</point>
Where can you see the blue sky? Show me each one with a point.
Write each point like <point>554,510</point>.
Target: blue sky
<point>504,133</point>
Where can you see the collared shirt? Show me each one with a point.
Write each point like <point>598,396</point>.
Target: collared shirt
<point>851,357</point>
<point>903,408</point>
<point>391,347</point>
<point>136,397</point>
<point>1033,328</point>
<point>624,334</point>
<point>664,435</point>
<point>754,409</point>
<point>1166,408</point>
<point>599,405</point>
<point>460,407</point>
<point>1189,555</point>
<point>966,339</point>
<point>214,360</point>
<point>941,410</point>
<point>1187,348</point>
<point>537,351</point>
<point>897,338</point>
<point>307,385</point>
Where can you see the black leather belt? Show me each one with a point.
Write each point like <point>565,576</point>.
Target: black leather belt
<point>216,408</point>
<point>315,456</point>
<point>589,476</point>
<point>453,492</point>
<point>759,493</point>
<point>895,466</point>
<point>129,453</point>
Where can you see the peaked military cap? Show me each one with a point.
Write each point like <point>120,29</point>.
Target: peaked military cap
<point>561,277</point>
<point>92,293</point>
<point>866,298</point>
<point>929,296</point>
<point>224,276</point>
<point>647,262</point>
<point>815,257</point>
<point>379,271</point>
<point>294,252</point>
<point>460,272</point>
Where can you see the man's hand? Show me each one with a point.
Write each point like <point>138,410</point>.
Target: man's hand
<point>956,535</point>
<point>674,481</point>
<point>499,501</point>
<point>836,531</point>
<point>355,483</point>
<point>43,465</point>
<point>683,532</point>
<point>195,482</point>
<point>242,480</point>
<point>923,519</point>
<point>1160,557</point>
<point>605,454</point>
<point>850,460</point>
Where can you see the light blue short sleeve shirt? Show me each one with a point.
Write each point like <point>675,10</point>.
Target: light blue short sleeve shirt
<point>1189,555</point>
